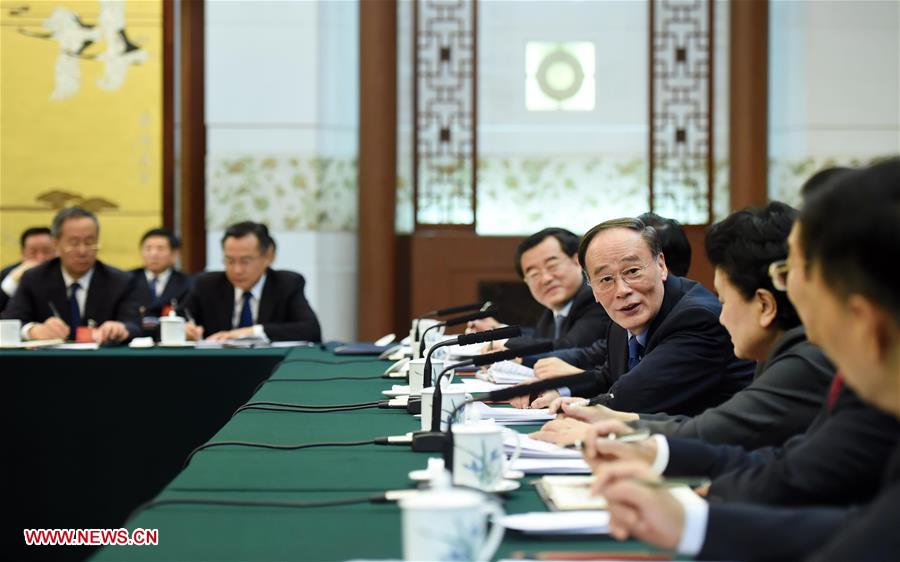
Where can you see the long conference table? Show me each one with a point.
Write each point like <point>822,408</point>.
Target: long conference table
<point>361,531</point>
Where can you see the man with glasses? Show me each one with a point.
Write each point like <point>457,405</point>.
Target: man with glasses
<point>667,351</point>
<point>249,299</point>
<point>76,290</point>
<point>547,261</point>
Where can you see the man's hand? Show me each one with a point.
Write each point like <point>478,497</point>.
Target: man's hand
<point>591,414</point>
<point>19,270</point>
<point>232,334</point>
<point>482,325</point>
<point>50,329</point>
<point>493,346</point>
<point>599,450</point>
<point>545,399</point>
<point>556,407</point>
<point>562,431</point>
<point>522,402</point>
<point>193,332</point>
<point>110,331</point>
<point>552,367</point>
<point>642,511</point>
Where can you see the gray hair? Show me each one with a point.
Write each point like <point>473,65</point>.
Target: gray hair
<point>71,213</point>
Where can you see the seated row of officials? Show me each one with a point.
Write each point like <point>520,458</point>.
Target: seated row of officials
<point>55,296</point>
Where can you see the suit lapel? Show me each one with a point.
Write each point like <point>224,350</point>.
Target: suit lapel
<point>95,295</point>
<point>268,299</point>
<point>227,296</point>
<point>57,292</point>
<point>618,350</point>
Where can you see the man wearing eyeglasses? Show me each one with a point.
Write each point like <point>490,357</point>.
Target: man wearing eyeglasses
<point>667,351</point>
<point>250,299</point>
<point>76,290</point>
<point>548,263</point>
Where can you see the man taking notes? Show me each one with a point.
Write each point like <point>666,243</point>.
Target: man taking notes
<point>76,289</point>
<point>249,299</point>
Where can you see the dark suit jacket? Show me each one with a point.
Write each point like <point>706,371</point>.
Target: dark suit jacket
<point>111,296</point>
<point>737,531</point>
<point>283,311</point>
<point>688,363</point>
<point>782,401</point>
<point>4,298</point>
<point>177,288</point>
<point>585,322</point>
<point>838,461</point>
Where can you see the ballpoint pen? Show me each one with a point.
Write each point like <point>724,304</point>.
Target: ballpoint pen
<point>624,438</point>
<point>54,310</point>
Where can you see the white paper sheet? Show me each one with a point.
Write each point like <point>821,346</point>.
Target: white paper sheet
<point>509,372</point>
<point>559,522</point>
<point>551,466</point>
<point>534,449</point>
<point>511,416</point>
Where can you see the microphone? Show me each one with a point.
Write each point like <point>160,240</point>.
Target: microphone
<point>456,321</point>
<point>457,309</point>
<point>506,354</point>
<point>505,394</point>
<point>468,339</point>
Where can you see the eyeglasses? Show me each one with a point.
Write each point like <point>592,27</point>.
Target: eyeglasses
<point>630,276</point>
<point>554,265</point>
<point>89,245</point>
<point>778,271</point>
<point>242,261</point>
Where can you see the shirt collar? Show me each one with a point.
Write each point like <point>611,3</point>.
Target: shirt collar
<point>84,281</point>
<point>564,311</point>
<point>161,279</point>
<point>255,290</point>
<point>641,338</point>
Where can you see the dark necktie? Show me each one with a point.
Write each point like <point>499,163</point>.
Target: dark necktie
<point>635,352</point>
<point>74,311</point>
<point>246,314</point>
<point>154,282</point>
<point>558,321</point>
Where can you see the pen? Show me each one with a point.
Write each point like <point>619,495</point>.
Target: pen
<point>673,482</point>
<point>54,310</point>
<point>624,438</point>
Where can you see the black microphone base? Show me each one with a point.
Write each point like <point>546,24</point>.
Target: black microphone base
<point>429,441</point>
<point>414,406</point>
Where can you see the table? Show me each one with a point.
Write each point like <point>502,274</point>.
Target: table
<point>197,532</point>
<point>96,433</point>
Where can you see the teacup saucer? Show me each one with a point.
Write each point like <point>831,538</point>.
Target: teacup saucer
<point>397,390</point>
<point>505,486</point>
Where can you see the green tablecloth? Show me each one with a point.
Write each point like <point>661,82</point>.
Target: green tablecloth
<point>331,533</point>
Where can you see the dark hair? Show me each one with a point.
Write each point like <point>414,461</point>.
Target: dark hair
<point>850,230</point>
<point>568,241</point>
<point>166,233</point>
<point>71,213</point>
<point>673,241</point>
<point>258,229</point>
<point>33,231</point>
<point>744,244</point>
<point>648,233</point>
<point>820,178</point>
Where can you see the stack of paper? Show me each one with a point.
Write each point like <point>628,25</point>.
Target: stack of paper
<point>477,385</point>
<point>551,466</point>
<point>534,449</point>
<point>509,372</point>
<point>559,522</point>
<point>569,493</point>
<point>510,416</point>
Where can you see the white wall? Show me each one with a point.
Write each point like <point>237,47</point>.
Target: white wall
<point>282,133</point>
<point>834,87</point>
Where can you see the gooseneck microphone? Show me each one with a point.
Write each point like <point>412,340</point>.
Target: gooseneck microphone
<point>468,339</point>
<point>448,311</point>
<point>456,321</point>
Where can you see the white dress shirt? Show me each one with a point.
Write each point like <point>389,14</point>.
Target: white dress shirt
<point>256,292</point>
<point>161,280</point>
<point>81,296</point>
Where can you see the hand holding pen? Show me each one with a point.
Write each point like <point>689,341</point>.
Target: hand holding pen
<point>52,328</point>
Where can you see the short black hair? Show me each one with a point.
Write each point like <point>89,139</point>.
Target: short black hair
<point>648,233</point>
<point>673,241</point>
<point>850,231</point>
<point>71,213</point>
<point>745,243</point>
<point>163,232</point>
<point>33,231</point>
<point>821,178</point>
<point>568,241</point>
<point>258,229</point>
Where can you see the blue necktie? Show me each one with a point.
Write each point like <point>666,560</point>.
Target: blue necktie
<point>74,312</point>
<point>153,284</point>
<point>246,314</point>
<point>635,352</point>
<point>558,321</point>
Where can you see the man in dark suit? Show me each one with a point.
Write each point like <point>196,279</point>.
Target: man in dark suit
<point>249,299</point>
<point>840,250</point>
<point>36,245</point>
<point>667,351</point>
<point>547,262</point>
<point>76,289</point>
<point>158,282</point>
